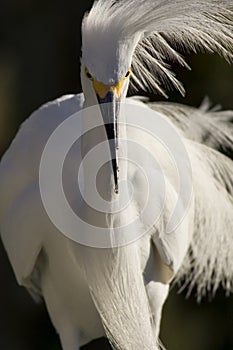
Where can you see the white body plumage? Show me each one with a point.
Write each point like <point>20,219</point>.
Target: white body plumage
<point>119,292</point>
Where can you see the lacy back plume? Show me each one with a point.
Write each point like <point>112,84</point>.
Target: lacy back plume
<point>208,263</point>
<point>167,29</point>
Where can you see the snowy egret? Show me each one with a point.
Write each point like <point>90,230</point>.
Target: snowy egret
<point>119,290</point>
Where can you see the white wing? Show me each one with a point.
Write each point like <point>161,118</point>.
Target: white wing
<point>20,205</point>
<point>206,133</point>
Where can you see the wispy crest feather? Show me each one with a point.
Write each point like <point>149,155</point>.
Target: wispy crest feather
<point>167,28</point>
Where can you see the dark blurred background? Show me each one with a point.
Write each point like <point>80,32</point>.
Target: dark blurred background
<point>39,61</point>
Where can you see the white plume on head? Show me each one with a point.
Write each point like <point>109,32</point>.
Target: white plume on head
<point>152,31</point>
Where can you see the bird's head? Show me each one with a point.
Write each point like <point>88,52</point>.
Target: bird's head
<point>105,75</point>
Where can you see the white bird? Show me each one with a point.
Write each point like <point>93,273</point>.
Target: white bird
<point>118,291</point>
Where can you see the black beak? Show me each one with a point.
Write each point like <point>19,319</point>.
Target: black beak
<point>110,107</point>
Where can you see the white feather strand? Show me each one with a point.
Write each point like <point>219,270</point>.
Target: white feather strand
<point>124,310</point>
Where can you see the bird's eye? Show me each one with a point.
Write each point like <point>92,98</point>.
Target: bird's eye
<point>88,75</point>
<point>128,73</point>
